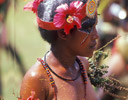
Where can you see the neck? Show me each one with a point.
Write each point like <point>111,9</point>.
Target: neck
<point>61,57</point>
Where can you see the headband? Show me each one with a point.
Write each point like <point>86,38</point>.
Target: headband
<point>66,17</point>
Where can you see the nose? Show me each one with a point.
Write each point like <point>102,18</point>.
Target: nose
<point>95,34</point>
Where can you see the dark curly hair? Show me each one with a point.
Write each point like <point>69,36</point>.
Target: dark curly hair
<point>46,13</point>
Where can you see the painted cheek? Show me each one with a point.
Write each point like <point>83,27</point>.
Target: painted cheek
<point>84,39</point>
<point>94,34</point>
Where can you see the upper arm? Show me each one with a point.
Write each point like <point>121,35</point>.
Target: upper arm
<point>34,84</point>
<point>90,93</point>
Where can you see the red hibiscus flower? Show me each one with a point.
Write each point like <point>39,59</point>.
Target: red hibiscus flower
<point>32,6</point>
<point>2,1</point>
<point>67,17</point>
<point>30,97</point>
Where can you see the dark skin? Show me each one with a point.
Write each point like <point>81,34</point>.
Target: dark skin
<point>61,59</point>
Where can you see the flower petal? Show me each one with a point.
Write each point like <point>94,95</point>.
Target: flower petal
<point>79,15</point>
<point>67,28</point>
<point>62,8</point>
<point>63,11</point>
<point>28,6</point>
<point>75,6</point>
<point>30,98</point>
<point>77,22</point>
<point>32,6</point>
<point>59,20</point>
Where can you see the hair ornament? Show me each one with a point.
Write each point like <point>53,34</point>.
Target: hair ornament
<point>67,16</point>
<point>32,6</point>
<point>91,8</point>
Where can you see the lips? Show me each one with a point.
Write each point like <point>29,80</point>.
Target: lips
<point>93,45</point>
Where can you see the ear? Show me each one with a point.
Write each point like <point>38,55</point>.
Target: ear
<point>62,35</point>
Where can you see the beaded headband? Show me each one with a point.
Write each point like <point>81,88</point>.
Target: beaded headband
<point>66,17</point>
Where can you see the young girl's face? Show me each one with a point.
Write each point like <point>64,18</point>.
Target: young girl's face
<point>83,41</point>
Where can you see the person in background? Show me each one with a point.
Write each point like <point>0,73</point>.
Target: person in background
<point>109,21</point>
<point>4,42</point>
<point>118,61</point>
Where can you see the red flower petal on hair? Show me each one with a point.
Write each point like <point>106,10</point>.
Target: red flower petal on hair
<point>75,6</point>
<point>63,8</point>
<point>32,96</point>
<point>28,6</point>
<point>32,6</point>
<point>59,19</point>
<point>35,5</point>
<point>77,22</point>
<point>67,17</point>
<point>68,27</point>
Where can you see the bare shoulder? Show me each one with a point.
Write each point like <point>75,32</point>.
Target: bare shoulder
<point>90,92</point>
<point>34,83</point>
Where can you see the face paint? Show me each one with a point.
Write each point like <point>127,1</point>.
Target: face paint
<point>84,39</point>
<point>87,25</point>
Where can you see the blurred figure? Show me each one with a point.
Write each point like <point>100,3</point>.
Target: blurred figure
<point>118,62</point>
<point>109,22</point>
<point>3,34</point>
<point>4,6</point>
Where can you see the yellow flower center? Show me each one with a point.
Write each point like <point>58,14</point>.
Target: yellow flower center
<point>69,19</point>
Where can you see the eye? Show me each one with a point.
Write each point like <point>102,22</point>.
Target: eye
<point>88,25</point>
<point>86,29</point>
<point>89,29</point>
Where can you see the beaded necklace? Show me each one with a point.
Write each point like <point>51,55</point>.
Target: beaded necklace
<point>78,75</point>
<point>52,82</point>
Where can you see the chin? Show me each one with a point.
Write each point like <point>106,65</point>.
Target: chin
<point>88,54</point>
